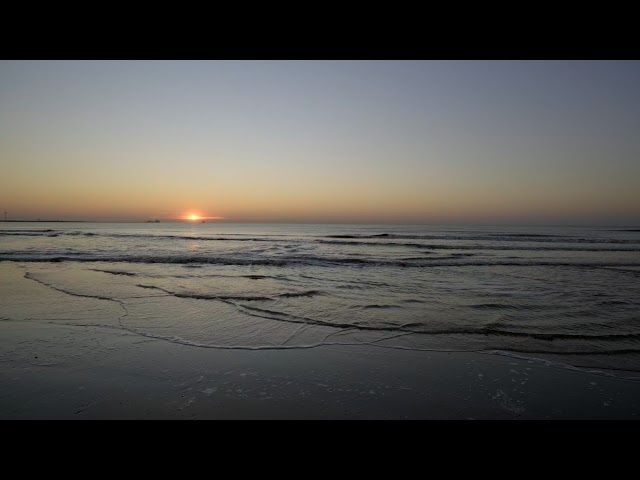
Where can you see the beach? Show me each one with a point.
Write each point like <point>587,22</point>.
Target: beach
<point>301,239</point>
<point>54,368</point>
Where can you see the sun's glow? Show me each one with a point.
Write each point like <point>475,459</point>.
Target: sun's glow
<point>197,217</point>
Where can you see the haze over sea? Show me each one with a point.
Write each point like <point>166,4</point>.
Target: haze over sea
<point>566,295</point>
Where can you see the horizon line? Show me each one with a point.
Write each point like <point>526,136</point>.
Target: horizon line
<point>427,223</point>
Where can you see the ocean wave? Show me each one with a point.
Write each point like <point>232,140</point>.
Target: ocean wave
<point>377,306</point>
<point>407,327</point>
<point>27,234</point>
<point>221,237</point>
<point>249,298</point>
<point>489,237</point>
<point>593,352</point>
<point>146,236</point>
<point>308,260</point>
<point>611,337</point>
<point>505,306</point>
<point>482,331</point>
<point>307,293</point>
<point>27,230</point>
<point>437,246</point>
<point>112,272</point>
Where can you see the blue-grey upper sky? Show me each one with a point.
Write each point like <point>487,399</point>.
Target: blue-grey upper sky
<point>369,141</point>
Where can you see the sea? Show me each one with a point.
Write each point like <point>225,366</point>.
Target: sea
<point>565,296</point>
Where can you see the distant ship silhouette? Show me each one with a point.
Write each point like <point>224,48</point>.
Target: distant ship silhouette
<point>152,221</point>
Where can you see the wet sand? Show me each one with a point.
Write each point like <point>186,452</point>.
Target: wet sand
<point>53,371</point>
<point>54,367</point>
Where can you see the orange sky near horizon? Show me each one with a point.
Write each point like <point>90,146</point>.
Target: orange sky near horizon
<point>361,142</point>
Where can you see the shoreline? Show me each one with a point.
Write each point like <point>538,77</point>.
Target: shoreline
<point>57,371</point>
<point>56,365</point>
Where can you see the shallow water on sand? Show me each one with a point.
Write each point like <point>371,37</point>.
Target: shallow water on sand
<point>568,295</point>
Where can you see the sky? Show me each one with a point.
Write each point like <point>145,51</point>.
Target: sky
<point>322,141</point>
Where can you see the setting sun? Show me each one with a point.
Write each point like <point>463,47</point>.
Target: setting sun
<point>197,217</point>
<point>192,216</point>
